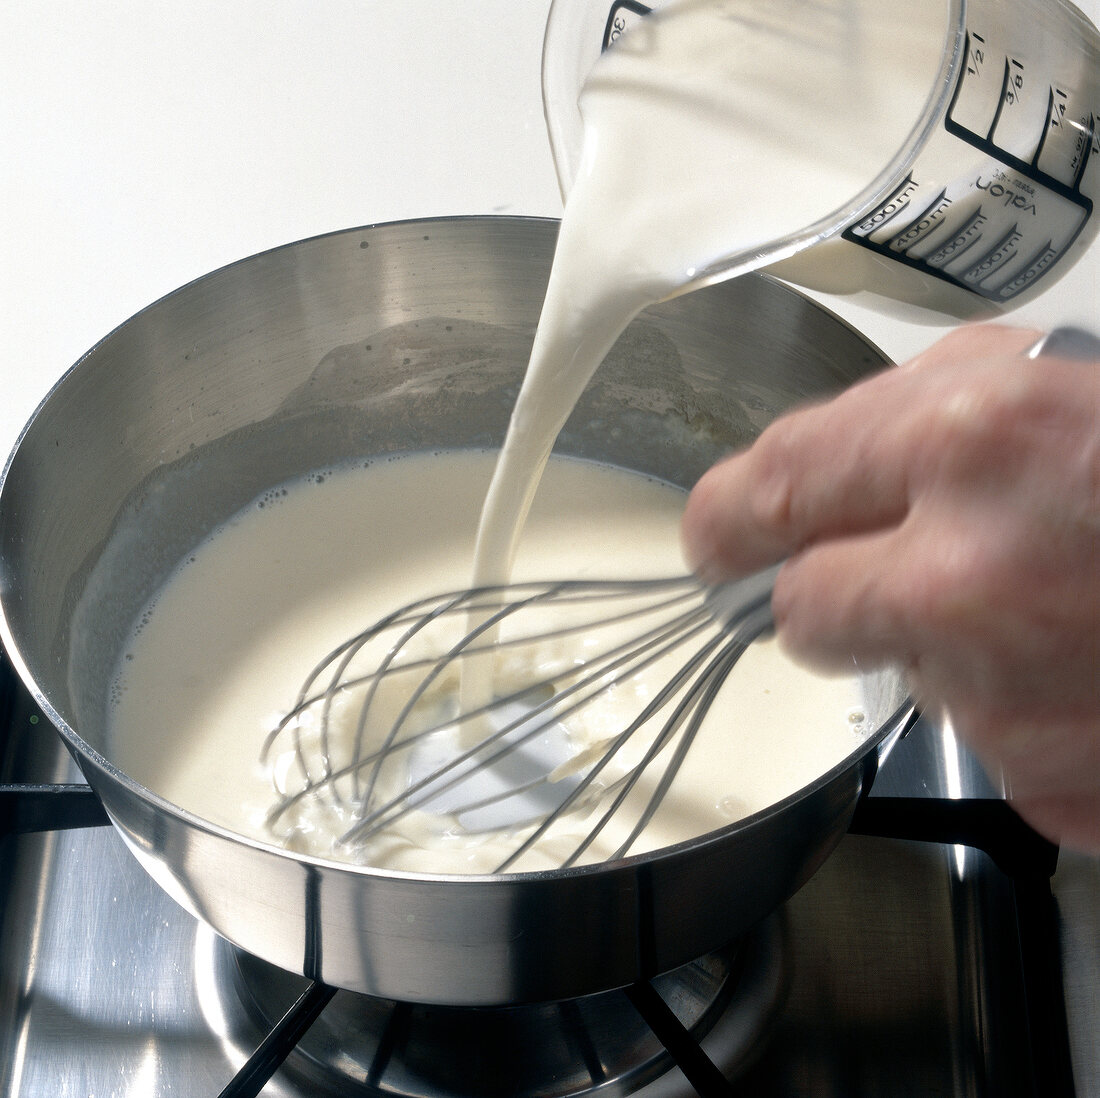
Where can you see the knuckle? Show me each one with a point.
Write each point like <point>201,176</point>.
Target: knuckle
<point>969,428</point>
<point>993,422</point>
<point>771,499</point>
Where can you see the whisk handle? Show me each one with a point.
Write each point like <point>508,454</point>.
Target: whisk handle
<point>746,601</point>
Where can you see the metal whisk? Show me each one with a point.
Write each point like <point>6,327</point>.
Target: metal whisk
<point>382,726</point>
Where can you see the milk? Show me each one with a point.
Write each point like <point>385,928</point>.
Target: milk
<point>218,659</point>
<point>708,135</point>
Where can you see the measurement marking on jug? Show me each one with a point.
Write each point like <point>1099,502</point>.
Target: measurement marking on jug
<point>975,55</point>
<point>963,241</point>
<point>618,23</point>
<point>1019,196</point>
<point>1042,261</point>
<point>1012,88</point>
<point>1025,169</point>
<point>1012,83</point>
<point>924,224</point>
<point>1056,110</point>
<point>932,230</point>
<point>997,256</point>
<point>893,207</point>
<point>1087,143</point>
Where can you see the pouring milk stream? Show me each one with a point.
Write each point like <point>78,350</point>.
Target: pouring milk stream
<point>664,189</point>
<point>674,177</point>
<point>723,136</point>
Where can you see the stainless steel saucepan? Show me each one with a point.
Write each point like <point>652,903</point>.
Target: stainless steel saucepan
<point>393,338</point>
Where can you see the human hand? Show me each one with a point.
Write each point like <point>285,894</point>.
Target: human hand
<point>943,515</point>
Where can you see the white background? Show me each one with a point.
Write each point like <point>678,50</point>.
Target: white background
<point>145,143</point>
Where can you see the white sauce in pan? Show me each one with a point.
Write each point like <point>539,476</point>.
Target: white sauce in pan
<point>223,650</point>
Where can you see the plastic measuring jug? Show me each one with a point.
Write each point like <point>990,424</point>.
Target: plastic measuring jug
<point>987,197</point>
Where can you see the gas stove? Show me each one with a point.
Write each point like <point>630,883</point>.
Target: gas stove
<point>899,969</point>
<point>929,955</point>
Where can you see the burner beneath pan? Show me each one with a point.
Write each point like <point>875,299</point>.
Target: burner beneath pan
<point>360,1045</point>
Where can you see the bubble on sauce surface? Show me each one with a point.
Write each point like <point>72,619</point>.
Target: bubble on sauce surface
<point>269,498</point>
<point>733,807</point>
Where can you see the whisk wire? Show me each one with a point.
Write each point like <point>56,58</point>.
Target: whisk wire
<point>623,660</point>
<point>678,610</point>
<point>339,659</point>
<point>435,671</point>
<point>694,708</point>
<point>626,785</point>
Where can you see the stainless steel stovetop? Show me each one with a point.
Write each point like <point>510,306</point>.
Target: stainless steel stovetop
<point>905,967</point>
